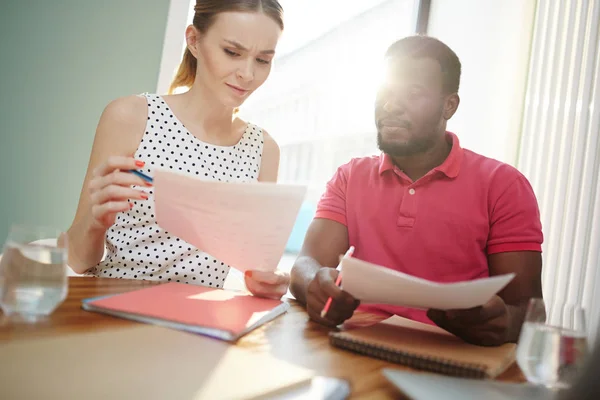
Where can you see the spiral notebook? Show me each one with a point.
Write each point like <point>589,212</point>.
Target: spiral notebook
<point>425,347</point>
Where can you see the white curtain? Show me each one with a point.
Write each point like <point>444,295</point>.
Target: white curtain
<point>560,149</point>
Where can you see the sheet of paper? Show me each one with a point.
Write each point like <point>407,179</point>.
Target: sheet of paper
<point>371,283</point>
<point>425,386</point>
<point>245,225</point>
<point>142,362</point>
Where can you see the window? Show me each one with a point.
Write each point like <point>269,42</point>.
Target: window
<point>318,102</point>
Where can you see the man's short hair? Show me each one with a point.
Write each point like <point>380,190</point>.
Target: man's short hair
<point>427,47</point>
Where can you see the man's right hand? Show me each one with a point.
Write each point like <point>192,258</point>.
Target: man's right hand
<point>319,290</point>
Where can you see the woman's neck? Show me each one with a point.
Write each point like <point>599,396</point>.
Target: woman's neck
<point>204,117</point>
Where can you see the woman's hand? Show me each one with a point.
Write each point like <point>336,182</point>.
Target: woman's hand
<point>110,189</point>
<point>271,285</point>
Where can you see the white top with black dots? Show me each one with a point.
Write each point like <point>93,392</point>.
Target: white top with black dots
<point>137,248</point>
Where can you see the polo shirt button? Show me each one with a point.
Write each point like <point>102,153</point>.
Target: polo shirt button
<point>411,191</point>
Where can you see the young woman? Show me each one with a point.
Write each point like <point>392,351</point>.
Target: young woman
<point>229,51</point>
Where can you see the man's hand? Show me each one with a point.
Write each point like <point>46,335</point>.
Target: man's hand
<point>487,325</point>
<point>319,290</point>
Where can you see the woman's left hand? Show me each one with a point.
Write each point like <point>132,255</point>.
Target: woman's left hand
<point>271,285</point>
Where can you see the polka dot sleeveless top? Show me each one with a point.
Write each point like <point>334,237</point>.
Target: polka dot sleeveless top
<point>137,248</point>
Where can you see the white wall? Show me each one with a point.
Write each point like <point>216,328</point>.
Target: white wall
<point>492,38</point>
<point>61,62</point>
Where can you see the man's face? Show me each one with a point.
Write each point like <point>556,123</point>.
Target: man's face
<point>409,108</point>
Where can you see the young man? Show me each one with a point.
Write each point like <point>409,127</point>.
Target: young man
<point>425,207</point>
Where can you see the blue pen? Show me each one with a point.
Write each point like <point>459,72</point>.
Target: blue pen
<point>141,175</point>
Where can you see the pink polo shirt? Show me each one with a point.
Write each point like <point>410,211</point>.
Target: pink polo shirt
<point>441,227</point>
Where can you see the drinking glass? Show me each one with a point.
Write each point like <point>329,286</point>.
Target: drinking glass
<point>33,272</point>
<point>553,347</point>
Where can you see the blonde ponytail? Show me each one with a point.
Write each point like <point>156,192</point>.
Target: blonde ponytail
<point>186,74</point>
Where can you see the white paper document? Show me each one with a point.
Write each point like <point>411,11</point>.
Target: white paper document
<point>374,284</point>
<point>244,225</point>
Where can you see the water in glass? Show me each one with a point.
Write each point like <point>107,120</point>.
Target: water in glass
<point>33,278</point>
<point>552,346</point>
<point>550,356</point>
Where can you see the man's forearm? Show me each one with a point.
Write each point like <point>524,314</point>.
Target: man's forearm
<point>304,270</point>
<point>516,316</point>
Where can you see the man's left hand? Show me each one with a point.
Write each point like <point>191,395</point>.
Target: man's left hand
<point>486,325</point>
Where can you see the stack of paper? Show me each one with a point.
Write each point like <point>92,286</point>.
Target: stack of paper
<point>245,225</point>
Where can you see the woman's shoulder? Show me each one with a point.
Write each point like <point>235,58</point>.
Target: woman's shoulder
<point>269,142</point>
<point>123,121</point>
<point>270,155</point>
<point>127,108</point>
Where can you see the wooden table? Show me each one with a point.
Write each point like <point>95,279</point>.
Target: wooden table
<point>291,337</point>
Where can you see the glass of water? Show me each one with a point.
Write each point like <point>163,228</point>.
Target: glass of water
<point>33,272</point>
<point>552,346</point>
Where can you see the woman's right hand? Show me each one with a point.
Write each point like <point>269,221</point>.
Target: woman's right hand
<point>111,189</point>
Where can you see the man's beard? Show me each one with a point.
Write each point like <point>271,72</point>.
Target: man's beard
<point>420,143</point>
<point>409,148</point>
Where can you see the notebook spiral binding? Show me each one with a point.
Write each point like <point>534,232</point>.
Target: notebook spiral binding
<point>421,362</point>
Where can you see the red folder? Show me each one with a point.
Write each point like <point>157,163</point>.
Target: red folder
<point>219,313</point>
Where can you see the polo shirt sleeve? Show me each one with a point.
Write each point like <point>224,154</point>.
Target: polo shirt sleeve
<point>515,223</point>
<point>332,204</point>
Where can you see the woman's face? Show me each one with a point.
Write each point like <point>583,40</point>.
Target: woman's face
<point>234,55</point>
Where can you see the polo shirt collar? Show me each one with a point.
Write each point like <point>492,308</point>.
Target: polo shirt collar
<point>450,167</point>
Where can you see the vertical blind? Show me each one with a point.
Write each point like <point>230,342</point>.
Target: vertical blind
<point>560,149</point>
